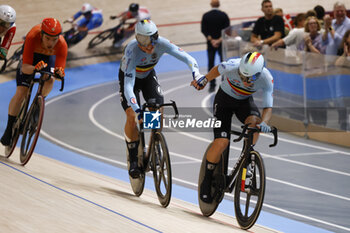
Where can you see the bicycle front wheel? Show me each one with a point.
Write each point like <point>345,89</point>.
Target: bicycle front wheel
<point>250,190</point>
<point>98,39</point>
<point>161,168</point>
<point>31,129</point>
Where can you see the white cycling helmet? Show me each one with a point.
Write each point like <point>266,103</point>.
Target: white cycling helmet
<point>146,32</point>
<point>7,16</point>
<point>86,8</point>
<point>251,64</point>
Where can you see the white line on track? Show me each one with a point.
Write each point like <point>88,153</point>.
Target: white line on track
<point>100,157</point>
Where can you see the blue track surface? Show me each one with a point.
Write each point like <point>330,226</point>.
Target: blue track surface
<point>104,72</point>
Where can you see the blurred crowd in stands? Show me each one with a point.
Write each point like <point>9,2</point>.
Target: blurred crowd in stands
<point>313,31</point>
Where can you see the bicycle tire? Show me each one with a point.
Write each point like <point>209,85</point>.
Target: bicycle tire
<point>31,129</point>
<point>247,216</point>
<point>208,209</point>
<point>161,168</point>
<point>137,184</point>
<point>16,130</point>
<point>98,39</point>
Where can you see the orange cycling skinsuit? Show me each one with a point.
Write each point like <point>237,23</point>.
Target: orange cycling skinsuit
<point>34,52</point>
<point>44,49</point>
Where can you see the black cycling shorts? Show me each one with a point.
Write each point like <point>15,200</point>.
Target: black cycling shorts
<point>224,108</point>
<point>149,86</point>
<point>22,80</point>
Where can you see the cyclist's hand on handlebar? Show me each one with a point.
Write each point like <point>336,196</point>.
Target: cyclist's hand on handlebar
<point>199,81</point>
<point>40,65</point>
<point>264,127</point>
<point>59,72</point>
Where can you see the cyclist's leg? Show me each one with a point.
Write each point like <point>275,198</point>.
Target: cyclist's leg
<point>151,89</point>
<point>15,105</point>
<point>223,112</point>
<point>249,114</point>
<point>130,131</point>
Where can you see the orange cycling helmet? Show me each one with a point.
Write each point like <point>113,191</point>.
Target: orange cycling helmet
<point>51,27</point>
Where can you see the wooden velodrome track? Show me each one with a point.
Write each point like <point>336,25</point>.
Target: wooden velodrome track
<point>50,196</point>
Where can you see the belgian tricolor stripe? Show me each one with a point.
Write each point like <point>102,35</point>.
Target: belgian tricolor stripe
<point>252,57</point>
<point>143,69</point>
<point>244,173</point>
<point>240,91</point>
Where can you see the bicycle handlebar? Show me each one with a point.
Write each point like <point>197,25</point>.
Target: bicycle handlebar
<point>158,106</point>
<point>42,72</point>
<point>251,131</point>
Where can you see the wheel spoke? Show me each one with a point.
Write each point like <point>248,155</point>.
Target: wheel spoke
<point>247,205</point>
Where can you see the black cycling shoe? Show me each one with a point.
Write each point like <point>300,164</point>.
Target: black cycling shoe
<point>205,191</point>
<point>6,139</point>
<point>134,170</point>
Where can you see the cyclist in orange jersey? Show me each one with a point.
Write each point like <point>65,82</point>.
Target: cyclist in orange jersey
<point>44,49</point>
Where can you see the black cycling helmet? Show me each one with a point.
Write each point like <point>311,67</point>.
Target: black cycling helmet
<point>133,7</point>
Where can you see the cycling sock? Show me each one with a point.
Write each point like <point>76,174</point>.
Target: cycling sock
<point>6,138</point>
<point>10,121</point>
<point>133,148</point>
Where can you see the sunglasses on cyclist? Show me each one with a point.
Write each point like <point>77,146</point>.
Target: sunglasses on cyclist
<point>249,79</point>
<point>5,24</point>
<point>144,41</point>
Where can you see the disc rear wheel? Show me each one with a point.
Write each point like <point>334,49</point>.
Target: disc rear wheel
<point>217,187</point>
<point>138,184</point>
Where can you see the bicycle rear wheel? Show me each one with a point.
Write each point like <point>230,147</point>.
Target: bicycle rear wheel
<point>137,184</point>
<point>16,130</point>
<point>250,190</point>
<point>98,39</point>
<point>217,189</point>
<point>161,168</point>
<point>31,129</point>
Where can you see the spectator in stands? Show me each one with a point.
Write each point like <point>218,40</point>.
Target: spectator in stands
<point>311,13</point>
<point>320,12</point>
<point>343,60</point>
<point>313,41</point>
<point>344,50</point>
<point>336,28</point>
<point>213,22</point>
<point>287,20</point>
<point>295,36</point>
<point>269,28</point>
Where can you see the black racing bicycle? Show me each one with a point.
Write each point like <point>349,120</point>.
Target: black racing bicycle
<point>108,34</point>
<point>155,159</point>
<point>247,179</point>
<point>30,118</point>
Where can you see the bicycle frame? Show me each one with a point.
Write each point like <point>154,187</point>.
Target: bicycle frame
<point>247,148</point>
<point>146,154</point>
